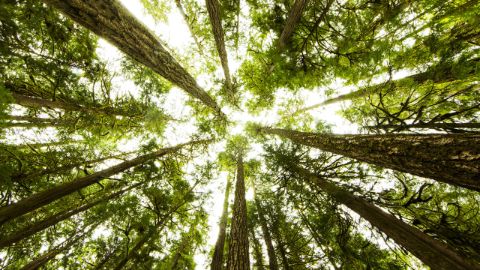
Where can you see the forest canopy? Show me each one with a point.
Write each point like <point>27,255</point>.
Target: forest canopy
<point>239,134</point>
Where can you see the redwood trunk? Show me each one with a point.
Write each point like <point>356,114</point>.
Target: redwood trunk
<point>45,197</point>
<point>217,259</point>
<point>238,254</point>
<point>213,9</point>
<point>293,18</point>
<point>110,20</point>
<point>427,125</point>
<point>272,258</point>
<point>53,220</point>
<point>430,251</point>
<point>448,158</point>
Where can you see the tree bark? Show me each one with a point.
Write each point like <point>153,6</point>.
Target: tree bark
<point>450,158</point>
<point>110,20</point>
<point>430,251</point>
<point>213,9</point>
<point>445,126</point>
<point>272,258</point>
<point>293,18</point>
<point>217,258</point>
<point>238,253</point>
<point>45,197</point>
<point>257,249</point>
<point>53,220</point>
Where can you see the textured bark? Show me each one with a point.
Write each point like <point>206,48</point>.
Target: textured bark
<point>189,24</point>
<point>53,220</point>
<point>110,20</point>
<point>272,258</point>
<point>238,254</point>
<point>45,197</point>
<point>217,258</point>
<point>293,18</point>
<point>429,250</point>
<point>213,9</point>
<point>450,158</point>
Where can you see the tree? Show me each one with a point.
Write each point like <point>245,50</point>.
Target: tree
<point>217,258</point>
<point>238,253</point>
<point>411,153</point>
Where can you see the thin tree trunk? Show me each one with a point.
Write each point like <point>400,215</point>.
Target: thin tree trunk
<point>106,259</point>
<point>189,24</point>
<point>40,145</point>
<point>272,258</point>
<point>257,249</point>
<point>448,158</point>
<point>438,74</point>
<point>426,125</point>
<point>55,219</point>
<point>110,20</point>
<point>43,259</point>
<point>238,253</point>
<point>45,197</point>
<point>430,251</point>
<point>213,9</point>
<point>217,258</point>
<point>293,18</point>
<point>36,102</point>
<point>39,173</point>
<point>280,246</point>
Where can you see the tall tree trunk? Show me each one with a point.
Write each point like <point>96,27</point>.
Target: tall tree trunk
<point>272,258</point>
<point>135,249</point>
<point>437,74</point>
<point>448,158</point>
<point>189,24</point>
<point>43,259</point>
<point>293,18</point>
<point>213,9</point>
<point>45,197</point>
<point>238,254</point>
<point>40,145</point>
<point>217,258</point>
<point>110,20</point>
<point>55,219</point>
<point>22,177</point>
<point>430,251</point>
<point>280,246</point>
<point>444,126</point>
<point>257,249</point>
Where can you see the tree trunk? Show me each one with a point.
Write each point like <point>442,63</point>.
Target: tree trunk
<point>45,197</point>
<point>293,18</point>
<point>238,253</point>
<point>281,247</point>
<point>217,258</point>
<point>189,24</point>
<point>444,126</point>
<point>110,20</point>
<point>22,177</point>
<point>135,249</point>
<point>43,259</point>
<point>430,251</point>
<point>257,249</point>
<point>438,74</point>
<point>448,158</point>
<point>40,145</point>
<point>53,220</point>
<point>272,258</point>
<point>213,9</point>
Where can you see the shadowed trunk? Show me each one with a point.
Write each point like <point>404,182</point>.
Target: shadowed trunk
<point>238,254</point>
<point>213,9</point>
<point>272,258</point>
<point>457,127</point>
<point>45,197</point>
<point>449,158</point>
<point>110,20</point>
<point>53,220</point>
<point>257,250</point>
<point>293,18</point>
<point>430,251</point>
<point>217,258</point>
